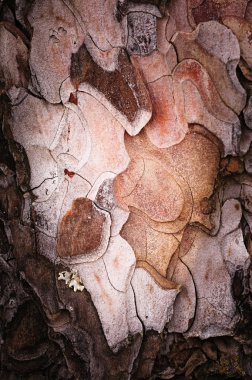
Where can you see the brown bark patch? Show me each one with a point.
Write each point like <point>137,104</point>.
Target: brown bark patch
<point>80,230</point>
<point>121,81</point>
<point>28,331</point>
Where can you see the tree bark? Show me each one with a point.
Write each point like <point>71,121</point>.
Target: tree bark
<point>125,189</point>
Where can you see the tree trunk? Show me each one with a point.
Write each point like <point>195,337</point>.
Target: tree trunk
<point>125,189</point>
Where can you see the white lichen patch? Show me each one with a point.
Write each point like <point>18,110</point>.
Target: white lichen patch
<point>71,279</point>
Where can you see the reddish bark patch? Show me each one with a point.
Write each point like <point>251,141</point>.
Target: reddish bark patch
<point>205,12</point>
<point>69,173</point>
<point>73,98</point>
<point>98,279</point>
<point>81,229</point>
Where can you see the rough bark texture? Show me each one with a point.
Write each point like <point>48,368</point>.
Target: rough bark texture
<point>125,189</point>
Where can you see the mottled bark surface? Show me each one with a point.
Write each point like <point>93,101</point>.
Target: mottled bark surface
<point>125,189</point>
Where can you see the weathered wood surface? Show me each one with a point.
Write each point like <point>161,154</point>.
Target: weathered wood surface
<point>125,189</point>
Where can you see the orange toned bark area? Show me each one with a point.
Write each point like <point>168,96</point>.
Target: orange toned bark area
<point>165,190</point>
<point>80,230</point>
<point>164,129</point>
<point>167,125</point>
<point>232,165</point>
<point>157,193</point>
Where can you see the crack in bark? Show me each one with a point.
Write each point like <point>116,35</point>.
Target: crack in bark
<point>117,290</point>
<point>191,321</point>
<point>37,187</point>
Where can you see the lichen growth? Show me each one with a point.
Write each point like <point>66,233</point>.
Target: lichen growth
<point>72,279</point>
